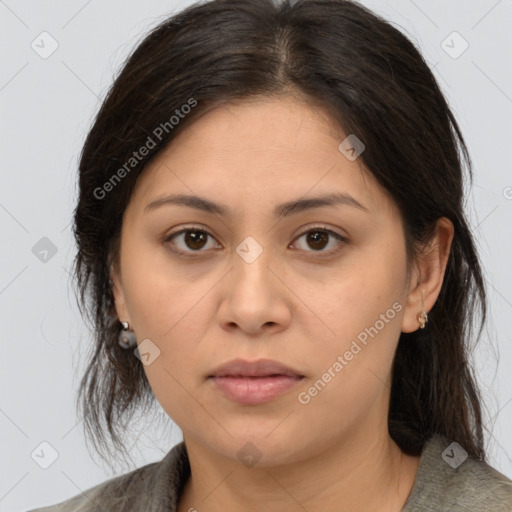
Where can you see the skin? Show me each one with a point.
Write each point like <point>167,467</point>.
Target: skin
<point>291,304</point>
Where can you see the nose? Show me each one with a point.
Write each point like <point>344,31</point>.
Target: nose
<point>254,297</point>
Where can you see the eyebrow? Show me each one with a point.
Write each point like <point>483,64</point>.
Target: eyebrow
<point>281,210</point>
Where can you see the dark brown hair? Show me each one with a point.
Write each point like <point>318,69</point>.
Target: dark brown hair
<point>375,84</point>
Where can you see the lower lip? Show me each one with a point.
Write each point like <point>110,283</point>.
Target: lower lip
<point>255,390</point>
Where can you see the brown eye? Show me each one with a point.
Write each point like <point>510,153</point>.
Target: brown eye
<point>318,238</point>
<point>189,240</point>
<point>195,239</point>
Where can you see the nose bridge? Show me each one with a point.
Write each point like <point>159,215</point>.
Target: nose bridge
<point>251,262</point>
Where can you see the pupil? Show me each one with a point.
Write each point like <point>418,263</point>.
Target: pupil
<point>317,236</point>
<point>192,237</point>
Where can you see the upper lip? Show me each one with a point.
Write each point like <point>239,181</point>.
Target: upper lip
<point>259,368</point>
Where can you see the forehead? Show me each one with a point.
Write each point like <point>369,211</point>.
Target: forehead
<point>263,124</point>
<point>259,152</point>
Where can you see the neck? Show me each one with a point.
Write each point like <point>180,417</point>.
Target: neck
<point>358,473</point>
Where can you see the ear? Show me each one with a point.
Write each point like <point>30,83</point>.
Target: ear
<point>119,296</point>
<point>428,274</point>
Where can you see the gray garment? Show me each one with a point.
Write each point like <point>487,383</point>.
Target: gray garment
<point>445,482</point>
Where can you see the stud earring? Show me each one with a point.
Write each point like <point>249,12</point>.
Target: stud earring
<point>127,338</point>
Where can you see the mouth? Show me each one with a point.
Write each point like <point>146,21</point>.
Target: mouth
<point>258,368</point>
<point>253,383</point>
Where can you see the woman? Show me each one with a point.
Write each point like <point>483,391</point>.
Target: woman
<point>272,244</point>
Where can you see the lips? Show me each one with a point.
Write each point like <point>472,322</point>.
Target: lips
<point>256,382</point>
<point>259,368</point>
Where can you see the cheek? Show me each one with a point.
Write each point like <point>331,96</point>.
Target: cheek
<point>172,320</point>
<point>356,299</point>
<point>363,308</point>
<point>159,292</point>
<point>353,368</point>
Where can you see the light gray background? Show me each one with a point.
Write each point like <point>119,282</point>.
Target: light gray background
<point>47,105</point>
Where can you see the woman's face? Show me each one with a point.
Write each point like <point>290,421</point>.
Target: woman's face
<point>260,285</point>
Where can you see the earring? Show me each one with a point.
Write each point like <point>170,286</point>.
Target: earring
<point>126,338</point>
<point>422,319</point>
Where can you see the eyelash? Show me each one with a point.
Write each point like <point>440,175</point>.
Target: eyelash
<point>197,229</point>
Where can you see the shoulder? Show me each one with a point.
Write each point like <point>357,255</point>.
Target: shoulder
<point>146,488</point>
<point>479,487</point>
<point>119,492</point>
<point>447,479</point>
